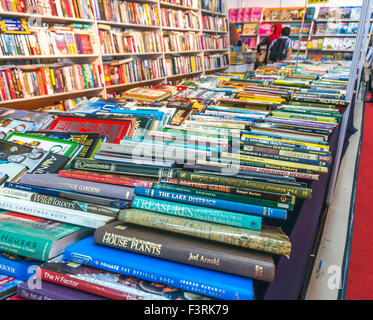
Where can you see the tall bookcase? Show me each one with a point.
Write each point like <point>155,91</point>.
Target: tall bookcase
<point>306,36</point>
<point>99,57</point>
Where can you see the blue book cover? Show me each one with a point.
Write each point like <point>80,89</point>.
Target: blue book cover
<point>202,281</point>
<point>212,203</point>
<point>17,267</point>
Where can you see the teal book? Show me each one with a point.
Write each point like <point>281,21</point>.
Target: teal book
<point>37,238</point>
<point>198,213</point>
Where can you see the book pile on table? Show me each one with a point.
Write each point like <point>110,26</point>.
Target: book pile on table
<point>175,192</point>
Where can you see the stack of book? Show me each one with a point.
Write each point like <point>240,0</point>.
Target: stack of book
<point>172,192</point>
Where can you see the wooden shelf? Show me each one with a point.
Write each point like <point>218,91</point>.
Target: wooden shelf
<point>67,56</point>
<point>127,25</point>
<point>98,58</point>
<point>137,83</point>
<point>45,18</point>
<point>216,69</point>
<point>183,52</point>
<point>215,31</point>
<point>176,6</point>
<point>215,50</point>
<point>107,55</point>
<point>38,101</point>
<point>213,13</point>
<point>185,75</point>
<point>181,29</point>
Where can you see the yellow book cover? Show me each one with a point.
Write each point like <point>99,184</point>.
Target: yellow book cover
<point>242,157</point>
<point>287,140</point>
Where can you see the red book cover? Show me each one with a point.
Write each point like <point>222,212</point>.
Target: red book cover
<point>115,130</point>
<point>68,9</point>
<point>107,178</point>
<point>12,88</point>
<point>53,7</point>
<point>61,43</point>
<point>2,90</point>
<point>86,43</point>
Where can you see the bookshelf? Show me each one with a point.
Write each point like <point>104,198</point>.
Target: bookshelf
<point>105,26</point>
<point>308,37</point>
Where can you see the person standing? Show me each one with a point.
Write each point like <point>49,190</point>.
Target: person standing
<point>282,48</point>
<point>262,48</point>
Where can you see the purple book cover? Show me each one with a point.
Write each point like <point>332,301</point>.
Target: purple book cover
<point>79,186</point>
<point>50,291</point>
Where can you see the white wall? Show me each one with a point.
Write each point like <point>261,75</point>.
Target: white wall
<point>289,3</point>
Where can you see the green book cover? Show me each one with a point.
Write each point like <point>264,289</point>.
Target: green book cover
<point>198,213</point>
<point>224,196</point>
<point>31,236</point>
<point>62,147</point>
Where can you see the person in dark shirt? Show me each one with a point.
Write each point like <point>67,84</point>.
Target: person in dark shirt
<point>262,48</point>
<point>281,48</point>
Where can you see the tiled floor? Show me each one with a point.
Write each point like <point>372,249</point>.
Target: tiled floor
<point>326,275</point>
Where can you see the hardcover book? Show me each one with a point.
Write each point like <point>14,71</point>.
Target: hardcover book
<point>8,286</point>
<point>269,239</point>
<point>114,130</point>
<point>60,147</point>
<point>108,284</point>
<point>37,161</point>
<point>51,291</point>
<point>19,267</point>
<point>13,170</point>
<point>37,238</point>
<point>198,280</point>
<point>80,186</point>
<point>90,141</point>
<point>187,250</point>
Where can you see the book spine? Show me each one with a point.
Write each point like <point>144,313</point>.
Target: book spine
<point>198,213</point>
<point>110,167</point>
<point>58,202</point>
<point>133,241</point>
<point>295,154</point>
<point>283,157</point>
<point>15,269</point>
<point>145,272</point>
<point>24,245</point>
<point>220,233</point>
<point>223,196</point>
<point>212,203</point>
<point>264,161</point>
<point>106,179</point>
<point>52,213</point>
<point>79,284</point>
<point>65,184</point>
<point>120,204</point>
<point>283,198</point>
<point>27,293</point>
<point>303,193</point>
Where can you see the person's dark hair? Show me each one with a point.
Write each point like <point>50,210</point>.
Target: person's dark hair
<point>286,31</point>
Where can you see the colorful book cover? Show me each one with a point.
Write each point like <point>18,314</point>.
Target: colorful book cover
<point>37,161</point>
<point>60,147</point>
<point>16,266</point>
<point>90,141</point>
<point>265,29</point>
<point>198,280</point>
<point>51,291</point>
<point>114,130</point>
<point>8,285</point>
<point>108,284</point>
<point>36,238</point>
